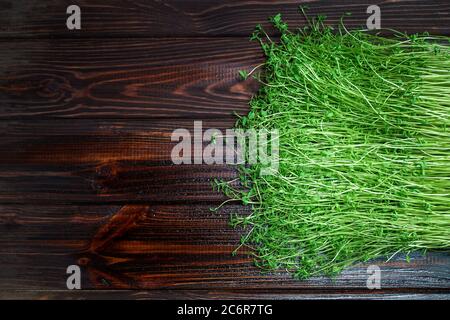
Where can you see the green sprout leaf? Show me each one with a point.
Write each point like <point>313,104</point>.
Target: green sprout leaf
<point>243,74</point>
<point>364,164</point>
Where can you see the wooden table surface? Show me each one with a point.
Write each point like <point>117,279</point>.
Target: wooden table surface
<point>85,171</point>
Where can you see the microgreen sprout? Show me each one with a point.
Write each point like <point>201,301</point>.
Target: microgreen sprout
<point>364,149</point>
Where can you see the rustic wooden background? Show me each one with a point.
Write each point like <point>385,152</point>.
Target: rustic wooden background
<point>85,171</point>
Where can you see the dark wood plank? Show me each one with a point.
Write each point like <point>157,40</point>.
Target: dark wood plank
<point>93,161</point>
<point>49,169</point>
<point>175,247</point>
<point>137,18</point>
<point>296,294</point>
<point>122,78</point>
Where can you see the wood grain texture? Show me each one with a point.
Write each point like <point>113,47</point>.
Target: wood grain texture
<point>85,171</point>
<point>252,294</point>
<point>173,247</point>
<point>48,164</point>
<point>91,161</point>
<point>145,78</point>
<point>142,18</point>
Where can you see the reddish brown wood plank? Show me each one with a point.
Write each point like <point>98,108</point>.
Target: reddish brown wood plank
<point>137,18</point>
<point>146,245</point>
<point>167,247</point>
<point>252,294</point>
<point>95,161</point>
<point>122,78</point>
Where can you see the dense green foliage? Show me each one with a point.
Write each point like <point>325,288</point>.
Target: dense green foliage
<point>364,148</point>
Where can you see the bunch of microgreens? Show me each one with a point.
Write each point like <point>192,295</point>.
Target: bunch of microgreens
<point>364,149</point>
